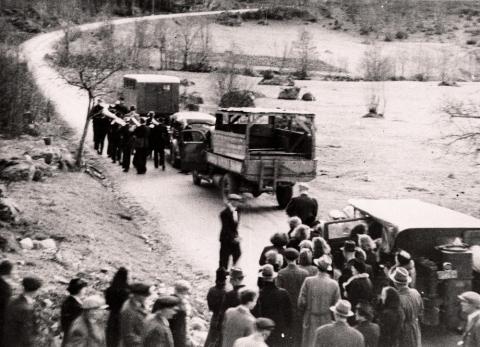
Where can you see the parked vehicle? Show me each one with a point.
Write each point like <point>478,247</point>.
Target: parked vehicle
<point>255,150</point>
<point>150,92</point>
<point>438,240</point>
<point>182,124</point>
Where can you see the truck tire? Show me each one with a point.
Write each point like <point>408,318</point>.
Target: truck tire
<point>197,180</point>
<point>228,185</point>
<point>284,195</point>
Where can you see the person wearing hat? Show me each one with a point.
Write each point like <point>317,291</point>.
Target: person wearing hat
<point>339,333</point>
<point>72,306</point>
<point>126,143</point>
<point>5,291</point>
<point>263,329</point>
<point>370,331</point>
<point>274,303</point>
<point>317,295</point>
<point>232,296</point>
<point>88,329</point>
<point>19,329</point>
<point>141,145</point>
<point>291,279</point>
<point>215,297</point>
<point>132,315</point>
<point>404,259</point>
<point>229,238</point>
<point>178,323</point>
<point>303,206</point>
<point>470,305</point>
<point>239,321</point>
<point>96,116</point>
<point>159,140</point>
<point>411,304</point>
<point>157,330</point>
<point>358,288</point>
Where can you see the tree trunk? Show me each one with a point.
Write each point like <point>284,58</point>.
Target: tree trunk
<point>79,156</point>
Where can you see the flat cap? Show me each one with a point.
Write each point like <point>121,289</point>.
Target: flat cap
<point>236,273</point>
<point>471,298</point>
<point>140,289</point>
<point>165,302</point>
<point>31,284</point>
<point>264,324</point>
<point>291,254</point>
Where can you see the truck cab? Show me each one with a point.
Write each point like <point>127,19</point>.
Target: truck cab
<point>259,150</point>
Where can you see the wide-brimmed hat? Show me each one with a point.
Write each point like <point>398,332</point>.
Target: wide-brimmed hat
<point>94,302</point>
<point>404,258</point>
<point>140,289</point>
<point>268,272</point>
<point>76,285</point>
<point>236,273</point>
<point>342,308</point>
<point>400,276</point>
<point>349,246</point>
<point>323,263</point>
<point>471,298</point>
<point>166,301</point>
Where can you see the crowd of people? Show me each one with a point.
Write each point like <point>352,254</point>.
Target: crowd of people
<point>129,134</point>
<point>318,296</point>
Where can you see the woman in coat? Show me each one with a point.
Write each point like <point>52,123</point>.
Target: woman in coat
<point>115,296</point>
<point>215,298</point>
<point>358,288</point>
<point>278,243</point>
<point>88,330</point>
<point>390,318</point>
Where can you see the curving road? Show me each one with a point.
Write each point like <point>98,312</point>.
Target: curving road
<point>186,212</point>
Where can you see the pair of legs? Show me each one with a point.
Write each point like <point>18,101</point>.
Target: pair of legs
<point>228,249</point>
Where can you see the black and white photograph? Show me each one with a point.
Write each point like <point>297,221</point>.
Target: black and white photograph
<point>239,173</point>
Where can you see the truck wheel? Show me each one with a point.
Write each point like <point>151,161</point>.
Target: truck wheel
<point>229,185</point>
<point>284,195</point>
<point>197,180</point>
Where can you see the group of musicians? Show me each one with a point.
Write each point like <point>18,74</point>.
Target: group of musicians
<point>128,133</point>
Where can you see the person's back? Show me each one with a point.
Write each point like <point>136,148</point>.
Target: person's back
<point>238,322</point>
<point>338,334</point>
<point>305,207</point>
<point>370,332</point>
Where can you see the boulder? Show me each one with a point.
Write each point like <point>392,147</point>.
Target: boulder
<point>27,243</point>
<point>8,243</point>
<point>289,93</point>
<point>9,211</point>
<point>308,97</point>
<point>41,170</point>
<point>50,154</point>
<point>22,171</point>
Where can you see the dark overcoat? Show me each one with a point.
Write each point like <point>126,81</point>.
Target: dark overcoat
<point>390,320</point>
<point>20,326</point>
<point>229,229</point>
<point>114,298</point>
<point>215,297</point>
<point>157,333</point>
<point>71,309</point>
<point>304,207</point>
<point>338,334</point>
<point>5,295</point>
<point>132,320</point>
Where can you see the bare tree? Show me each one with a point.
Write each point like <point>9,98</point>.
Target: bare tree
<point>88,70</point>
<point>203,47</point>
<point>186,34</point>
<point>376,66</point>
<point>305,52</point>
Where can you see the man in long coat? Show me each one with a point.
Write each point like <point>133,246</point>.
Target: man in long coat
<point>159,139</point>
<point>141,145</point>
<point>71,307</point>
<point>20,326</point>
<point>303,206</point>
<point>291,279</point>
<point>239,321</point>
<point>339,333</point>
<point>157,331</point>
<point>317,295</point>
<point>470,303</point>
<point>132,316</point>
<point>229,238</point>
<point>411,304</point>
<point>5,292</point>
<point>274,303</point>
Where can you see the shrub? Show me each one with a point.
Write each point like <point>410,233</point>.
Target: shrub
<point>388,37</point>
<point>420,77</point>
<point>401,35</point>
<point>471,42</point>
<point>267,74</point>
<point>248,71</point>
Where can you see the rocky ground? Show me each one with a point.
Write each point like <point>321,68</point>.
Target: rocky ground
<point>95,229</point>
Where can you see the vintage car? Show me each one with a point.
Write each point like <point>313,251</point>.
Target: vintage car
<point>256,150</point>
<point>181,126</point>
<point>439,240</point>
<point>150,92</point>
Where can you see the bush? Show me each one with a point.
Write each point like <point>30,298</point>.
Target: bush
<point>267,74</point>
<point>401,35</point>
<point>238,98</point>
<point>420,77</point>
<point>280,13</point>
<point>471,42</point>
<point>388,37</point>
<point>248,71</point>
